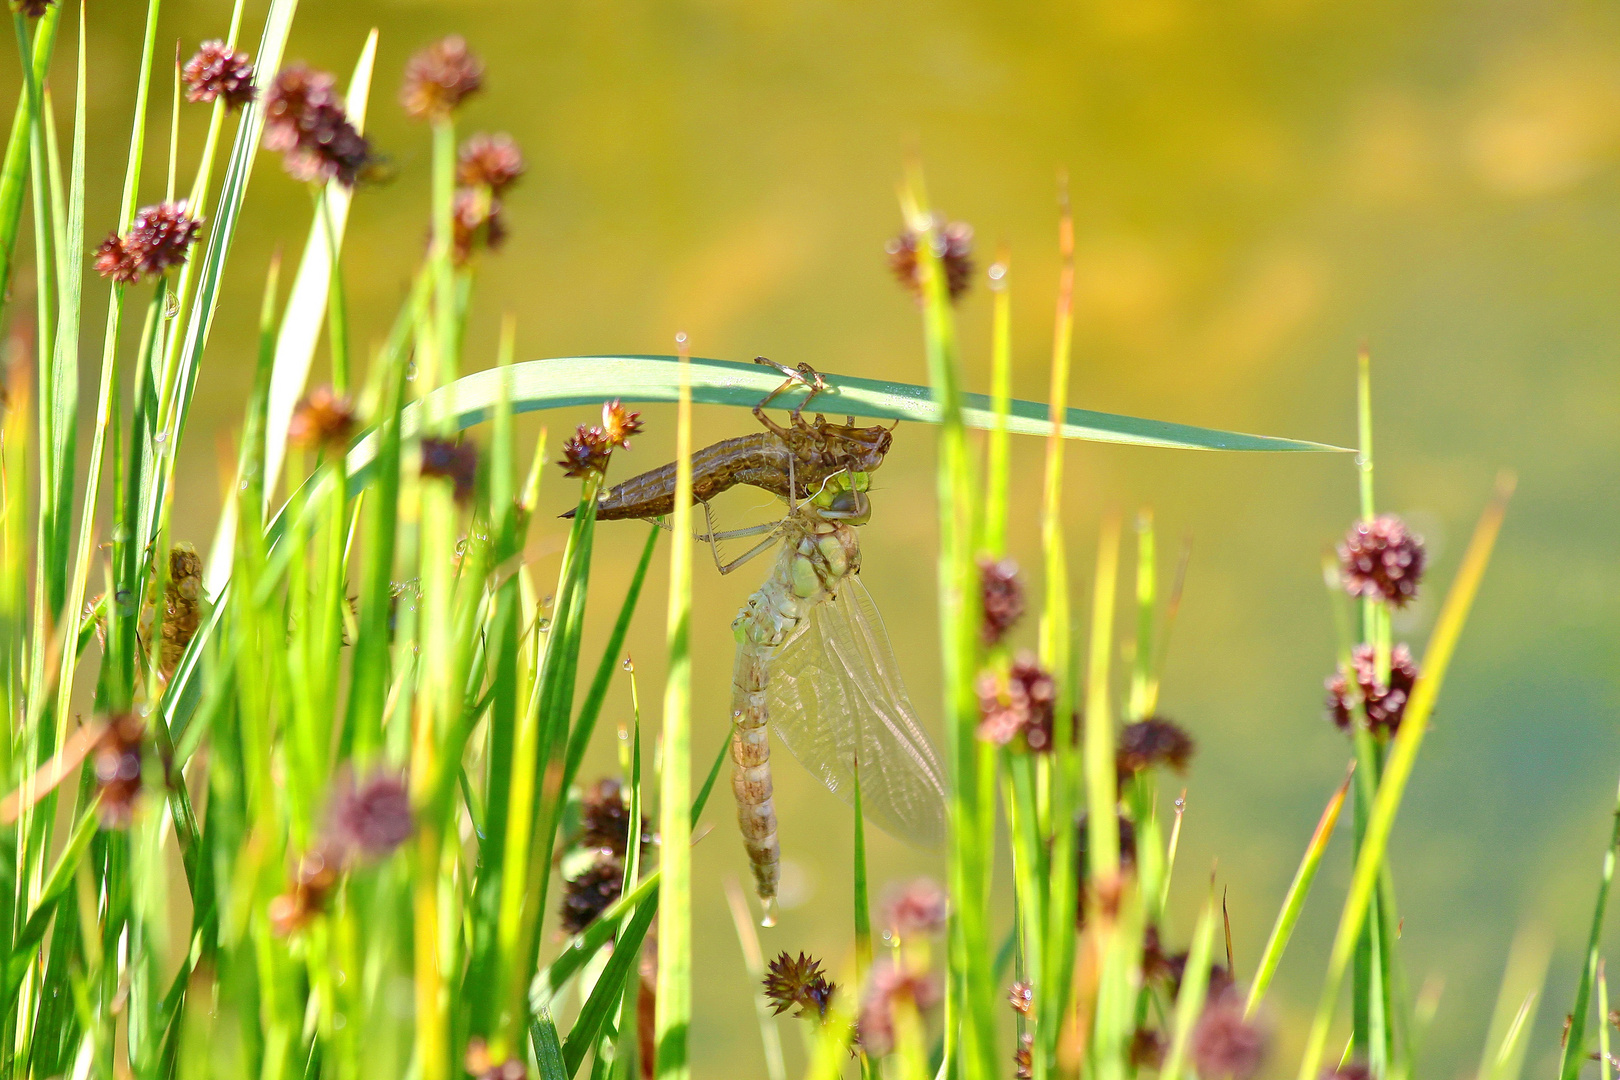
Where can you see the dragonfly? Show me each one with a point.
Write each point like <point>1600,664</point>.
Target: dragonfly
<point>813,659</point>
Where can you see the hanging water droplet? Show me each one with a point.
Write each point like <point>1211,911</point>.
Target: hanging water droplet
<point>161,437</point>
<point>410,371</point>
<point>171,304</point>
<point>629,664</point>
<point>545,625</point>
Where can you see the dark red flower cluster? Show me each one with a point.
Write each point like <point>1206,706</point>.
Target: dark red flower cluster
<point>602,841</point>
<point>1385,703</point>
<point>1154,742</point>
<point>117,760</point>
<point>453,460</point>
<point>313,880</point>
<point>1021,709</point>
<point>157,240</point>
<point>890,985</point>
<point>219,71</point>
<point>953,244</point>
<point>1382,560</point>
<point>440,77</point>
<point>34,9</point>
<point>322,420</point>
<point>491,161</point>
<point>1225,1045</point>
<point>1001,598</point>
<point>371,818</point>
<point>917,908</point>
<point>305,122</point>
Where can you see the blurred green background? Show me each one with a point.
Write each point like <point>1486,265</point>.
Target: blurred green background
<point>1259,187</point>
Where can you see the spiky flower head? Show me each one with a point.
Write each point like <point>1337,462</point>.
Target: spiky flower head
<point>117,760</point>
<point>1147,1049</point>
<point>440,77</point>
<point>475,221</point>
<point>1001,597</point>
<point>586,453</point>
<point>1021,996</point>
<point>919,907</point>
<point>34,9</point>
<point>158,238</point>
<point>891,984</point>
<point>1225,1045</point>
<point>591,891</point>
<point>1385,703</point>
<point>798,982</point>
<point>371,817</point>
<point>1021,708</point>
<point>953,243</point>
<point>453,460</point>
<point>491,161</point>
<point>1154,742</point>
<point>323,420</point>
<point>219,71</point>
<point>619,423</point>
<point>1382,560</point>
<point>305,122</point>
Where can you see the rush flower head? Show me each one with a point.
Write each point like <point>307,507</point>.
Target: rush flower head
<point>312,882</point>
<point>1224,1044</point>
<point>1382,560</point>
<point>371,817</point>
<point>1147,1049</point>
<point>1021,996</point>
<point>1001,597</point>
<point>219,71</point>
<point>305,122</point>
<point>322,420</point>
<point>492,161</point>
<point>34,9</point>
<point>1385,703</point>
<point>953,243</point>
<point>619,423</point>
<point>586,453</point>
<point>591,891</point>
<point>1021,709</point>
<point>157,239</point>
<point>1024,1057</point>
<point>1127,860</point>
<point>890,985</point>
<point>117,761</point>
<point>1154,742</point>
<point>918,907</point>
<point>475,220</point>
<point>440,77</point>
<point>453,460</point>
<point>798,982</point>
<point>605,818</point>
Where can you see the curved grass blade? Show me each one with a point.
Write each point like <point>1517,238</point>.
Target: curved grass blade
<point>591,380</point>
<point>605,995</point>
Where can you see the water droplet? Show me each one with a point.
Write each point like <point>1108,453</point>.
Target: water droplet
<point>545,625</point>
<point>243,486</point>
<point>161,437</point>
<point>171,304</point>
<point>629,664</point>
<point>410,371</point>
<point>997,271</point>
<point>680,338</point>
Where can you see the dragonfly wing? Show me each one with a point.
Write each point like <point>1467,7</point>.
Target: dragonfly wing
<point>836,696</point>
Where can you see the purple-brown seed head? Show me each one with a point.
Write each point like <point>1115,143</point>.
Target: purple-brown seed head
<point>323,420</point>
<point>219,71</point>
<point>371,817</point>
<point>305,122</point>
<point>586,453</point>
<point>798,982</point>
<point>492,161</point>
<point>452,460</point>
<point>1001,597</point>
<point>1225,1045</point>
<point>953,243</point>
<point>440,77</point>
<point>1382,560</point>
<point>1150,743</point>
<point>917,908</point>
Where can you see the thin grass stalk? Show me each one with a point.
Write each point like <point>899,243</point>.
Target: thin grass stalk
<point>1294,899</point>
<point>1605,1062</point>
<point>1398,767</point>
<point>674,1013</point>
<point>14,172</point>
<point>770,1034</point>
<point>1190,1001</point>
<point>1575,1040</point>
<point>1523,979</point>
<point>1108,929</point>
<point>997,465</point>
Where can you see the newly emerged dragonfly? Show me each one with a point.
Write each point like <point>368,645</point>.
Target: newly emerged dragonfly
<point>813,659</point>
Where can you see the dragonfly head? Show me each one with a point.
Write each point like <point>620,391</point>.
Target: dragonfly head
<point>842,497</point>
<point>859,449</point>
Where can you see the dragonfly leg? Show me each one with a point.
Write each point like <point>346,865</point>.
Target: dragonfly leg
<point>804,375</point>
<point>763,545</point>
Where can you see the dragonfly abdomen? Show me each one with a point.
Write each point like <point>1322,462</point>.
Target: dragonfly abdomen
<point>751,777</point>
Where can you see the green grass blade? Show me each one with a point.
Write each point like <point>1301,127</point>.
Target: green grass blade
<point>1294,900</point>
<point>674,1014</point>
<point>1398,768</point>
<point>547,1050</point>
<point>605,995</point>
<point>1522,982</point>
<point>863,902</point>
<point>996,467</point>
<point>14,171</point>
<point>588,380</point>
<point>306,309</point>
<point>1574,1057</point>
<point>579,739</point>
<point>1190,1001</point>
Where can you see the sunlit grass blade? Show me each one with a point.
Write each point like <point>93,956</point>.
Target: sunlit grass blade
<point>604,999</point>
<point>548,1051</point>
<point>1399,765</point>
<point>1509,1034</point>
<point>1294,899</point>
<point>1190,1001</point>
<point>863,902</point>
<point>675,928</point>
<point>14,172</point>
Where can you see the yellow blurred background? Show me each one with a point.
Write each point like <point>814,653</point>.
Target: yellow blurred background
<point>1259,187</point>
